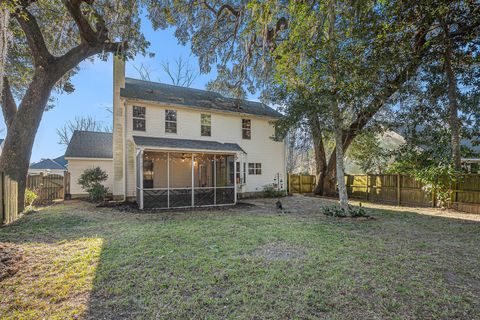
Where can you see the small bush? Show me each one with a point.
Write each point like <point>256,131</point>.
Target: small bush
<point>30,197</point>
<point>90,182</point>
<point>270,192</point>
<point>97,192</point>
<point>336,211</point>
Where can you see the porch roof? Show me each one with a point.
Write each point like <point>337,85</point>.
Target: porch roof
<point>186,144</point>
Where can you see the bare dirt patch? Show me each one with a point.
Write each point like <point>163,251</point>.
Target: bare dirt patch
<point>11,257</point>
<point>280,251</point>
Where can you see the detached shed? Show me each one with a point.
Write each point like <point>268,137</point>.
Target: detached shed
<point>89,149</point>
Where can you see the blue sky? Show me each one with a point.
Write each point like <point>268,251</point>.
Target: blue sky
<point>93,89</point>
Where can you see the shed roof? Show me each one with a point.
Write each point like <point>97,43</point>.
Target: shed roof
<point>90,144</point>
<point>192,98</point>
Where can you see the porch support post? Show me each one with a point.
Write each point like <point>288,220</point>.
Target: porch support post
<point>141,180</point>
<point>168,179</point>
<point>235,178</point>
<point>214,179</point>
<point>193,180</point>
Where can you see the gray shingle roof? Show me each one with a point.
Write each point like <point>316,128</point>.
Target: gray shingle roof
<point>61,161</point>
<point>89,144</point>
<point>47,164</point>
<point>185,144</point>
<point>193,98</point>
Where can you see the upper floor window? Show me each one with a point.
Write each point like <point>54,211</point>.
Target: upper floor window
<point>246,129</point>
<point>138,118</point>
<point>206,125</point>
<point>171,121</point>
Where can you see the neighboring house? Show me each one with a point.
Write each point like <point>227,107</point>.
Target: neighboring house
<point>49,166</point>
<point>87,150</point>
<point>182,147</point>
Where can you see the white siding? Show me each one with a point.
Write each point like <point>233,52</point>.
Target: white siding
<point>226,127</point>
<point>77,166</point>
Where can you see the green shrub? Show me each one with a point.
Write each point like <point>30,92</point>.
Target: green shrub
<point>336,211</point>
<point>30,197</point>
<point>97,192</point>
<point>90,180</point>
<point>270,192</point>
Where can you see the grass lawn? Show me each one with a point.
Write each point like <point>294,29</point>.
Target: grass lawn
<point>99,263</point>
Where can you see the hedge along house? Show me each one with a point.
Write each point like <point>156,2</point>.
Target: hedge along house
<point>181,147</point>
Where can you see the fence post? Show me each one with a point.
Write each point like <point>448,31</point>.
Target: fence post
<point>2,199</point>
<point>367,189</point>
<point>66,184</point>
<point>399,191</point>
<point>301,183</point>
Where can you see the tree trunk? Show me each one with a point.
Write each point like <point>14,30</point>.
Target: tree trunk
<point>452,101</point>
<point>340,167</point>
<point>17,150</point>
<point>319,151</point>
<point>4,39</point>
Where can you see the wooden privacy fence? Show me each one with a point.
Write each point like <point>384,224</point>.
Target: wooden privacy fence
<point>298,183</point>
<point>48,187</point>
<point>9,202</point>
<point>395,189</point>
<point>405,190</point>
<point>398,189</point>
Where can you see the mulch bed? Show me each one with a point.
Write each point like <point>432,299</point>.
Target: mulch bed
<point>11,257</point>
<point>133,207</point>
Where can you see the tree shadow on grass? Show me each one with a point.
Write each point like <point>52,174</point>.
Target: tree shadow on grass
<point>206,264</point>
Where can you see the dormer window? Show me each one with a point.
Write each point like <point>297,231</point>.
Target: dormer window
<point>246,129</point>
<point>170,121</point>
<point>138,118</point>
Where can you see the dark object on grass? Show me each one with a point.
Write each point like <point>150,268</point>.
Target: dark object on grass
<point>336,211</point>
<point>11,256</point>
<point>279,205</point>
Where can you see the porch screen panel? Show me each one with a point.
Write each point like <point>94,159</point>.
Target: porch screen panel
<point>204,180</point>
<point>180,180</point>
<point>225,171</point>
<point>155,183</point>
<point>225,176</point>
<point>160,173</point>
<point>155,198</point>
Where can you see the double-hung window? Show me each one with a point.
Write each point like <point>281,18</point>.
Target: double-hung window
<point>171,121</point>
<point>238,174</point>
<point>246,129</point>
<point>254,168</point>
<point>206,125</point>
<point>138,118</point>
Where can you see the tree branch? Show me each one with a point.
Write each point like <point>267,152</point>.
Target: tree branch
<point>9,107</point>
<point>84,50</point>
<point>87,34</point>
<point>36,42</point>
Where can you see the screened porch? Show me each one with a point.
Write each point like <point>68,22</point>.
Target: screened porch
<point>185,179</point>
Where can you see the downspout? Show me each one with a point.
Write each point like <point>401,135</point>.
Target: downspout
<point>125,151</point>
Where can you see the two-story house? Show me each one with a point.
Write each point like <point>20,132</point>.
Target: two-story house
<point>181,147</point>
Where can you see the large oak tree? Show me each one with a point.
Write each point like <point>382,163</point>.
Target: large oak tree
<point>49,40</point>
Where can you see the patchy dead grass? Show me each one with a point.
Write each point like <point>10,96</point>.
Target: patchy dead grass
<point>245,262</point>
<point>11,256</point>
<point>280,251</point>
